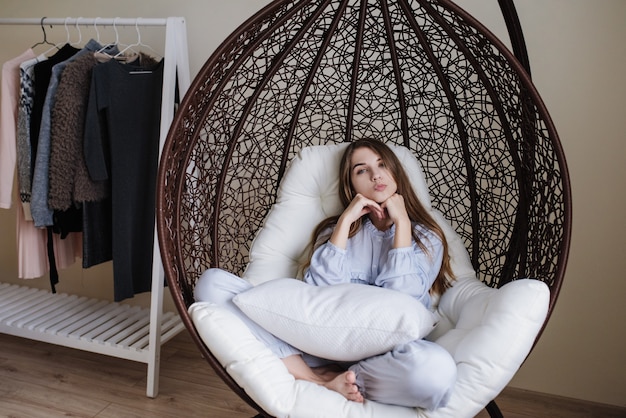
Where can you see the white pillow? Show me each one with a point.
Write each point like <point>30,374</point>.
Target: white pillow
<point>345,322</point>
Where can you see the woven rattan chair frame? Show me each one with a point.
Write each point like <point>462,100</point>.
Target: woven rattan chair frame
<point>420,73</point>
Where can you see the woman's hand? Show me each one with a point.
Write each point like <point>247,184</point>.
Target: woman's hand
<point>396,210</point>
<point>358,207</point>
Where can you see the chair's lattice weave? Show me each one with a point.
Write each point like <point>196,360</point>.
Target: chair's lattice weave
<point>419,73</point>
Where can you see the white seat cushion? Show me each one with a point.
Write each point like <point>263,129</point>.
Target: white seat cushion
<point>489,332</point>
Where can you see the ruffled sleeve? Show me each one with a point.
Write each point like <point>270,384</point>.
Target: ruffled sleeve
<point>412,270</point>
<point>329,265</point>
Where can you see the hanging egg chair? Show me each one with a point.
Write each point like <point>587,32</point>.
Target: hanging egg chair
<point>421,74</point>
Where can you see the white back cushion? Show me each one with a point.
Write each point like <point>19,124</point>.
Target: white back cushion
<point>307,195</point>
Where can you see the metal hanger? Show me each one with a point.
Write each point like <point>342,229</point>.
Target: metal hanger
<point>45,40</point>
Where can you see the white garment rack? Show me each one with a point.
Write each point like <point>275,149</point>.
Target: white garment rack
<point>113,329</point>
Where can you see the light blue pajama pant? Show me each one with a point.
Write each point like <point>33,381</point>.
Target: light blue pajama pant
<point>417,374</point>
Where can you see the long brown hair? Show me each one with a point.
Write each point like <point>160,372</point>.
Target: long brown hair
<point>415,209</point>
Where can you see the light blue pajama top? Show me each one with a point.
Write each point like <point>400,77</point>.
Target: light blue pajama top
<point>370,258</point>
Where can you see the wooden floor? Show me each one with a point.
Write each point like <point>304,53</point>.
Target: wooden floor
<point>43,380</point>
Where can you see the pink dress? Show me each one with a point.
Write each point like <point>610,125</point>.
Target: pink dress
<point>31,241</point>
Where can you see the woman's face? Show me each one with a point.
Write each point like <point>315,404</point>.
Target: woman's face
<point>370,177</point>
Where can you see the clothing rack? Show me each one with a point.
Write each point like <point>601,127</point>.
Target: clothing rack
<point>118,330</point>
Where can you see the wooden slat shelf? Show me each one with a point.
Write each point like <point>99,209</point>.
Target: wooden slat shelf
<point>94,325</point>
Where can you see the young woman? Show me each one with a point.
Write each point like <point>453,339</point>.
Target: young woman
<point>384,237</point>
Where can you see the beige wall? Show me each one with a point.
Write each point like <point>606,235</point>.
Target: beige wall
<point>578,59</point>
<point>578,56</point>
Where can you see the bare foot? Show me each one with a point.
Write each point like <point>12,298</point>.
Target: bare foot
<point>345,384</point>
